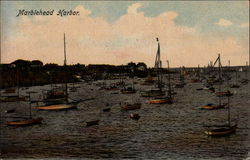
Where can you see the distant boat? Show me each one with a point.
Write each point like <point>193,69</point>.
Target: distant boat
<point>58,107</point>
<point>106,109</point>
<point>224,94</point>
<point>152,93</point>
<point>168,99</point>
<point>236,83</point>
<point>149,80</point>
<point>29,121</point>
<point>10,110</point>
<point>158,68</point>
<point>9,90</point>
<point>134,116</point>
<point>211,106</point>
<point>92,123</point>
<point>161,100</point>
<point>13,99</point>
<point>128,107</point>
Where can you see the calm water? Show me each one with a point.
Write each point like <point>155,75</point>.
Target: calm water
<point>164,131</point>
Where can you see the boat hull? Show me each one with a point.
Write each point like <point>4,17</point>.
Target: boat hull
<point>131,107</point>
<point>58,107</point>
<point>161,101</point>
<point>25,122</point>
<point>92,123</point>
<point>213,107</point>
<point>221,131</point>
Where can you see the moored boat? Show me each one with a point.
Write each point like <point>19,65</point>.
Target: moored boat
<point>128,107</point>
<point>58,107</point>
<point>92,123</point>
<point>221,131</point>
<point>134,116</point>
<point>161,100</point>
<point>25,122</point>
<point>212,106</point>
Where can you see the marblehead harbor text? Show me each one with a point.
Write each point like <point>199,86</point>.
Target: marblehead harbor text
<point>33,12</point>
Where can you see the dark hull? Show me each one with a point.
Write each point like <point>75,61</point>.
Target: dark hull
<point>25,122</point>
<point>221,131</point>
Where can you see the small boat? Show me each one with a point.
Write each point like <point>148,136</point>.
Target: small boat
<point>195,80</point>
<point>211,106</point>
<point>92,123</point>
<point>179,85</point>
<point>13,99</point>
<point>134,116</point>
<point>161,100</point>
<point>25,122</point>
<point>58,107</point>
<point>10,110</point>
<point>131,107</point>
<point>234,86</point>
<point>199,89</point>
<point>152,93</point>
<point>224,94</point>
<point>10,90</point>
<point>106,109</point>
<point>168,99</point>
<point>128,90</point>
<point>221,131</point>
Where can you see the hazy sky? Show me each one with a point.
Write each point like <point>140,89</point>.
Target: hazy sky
<point>110,32</point>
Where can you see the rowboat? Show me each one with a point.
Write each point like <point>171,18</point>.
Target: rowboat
<point>212,106</point>
<point>224,94</point>
<point>91,123</point>
<point>161,100</point>
<point>106,109</point>
<point>25,122</point>
<point>58,107</point>
<point>134,116</point>
<point>13,99</point>
<point>131,107</point>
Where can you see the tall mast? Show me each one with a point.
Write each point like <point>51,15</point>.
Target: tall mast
<point>219,78</point>
<point>158,64</point>
<point>65,62</point>
<point>169,84</point>
<point>228,112</point>
<point>158,54</point>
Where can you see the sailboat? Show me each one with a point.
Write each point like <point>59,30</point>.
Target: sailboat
<point>181,82</point>
<point>158,91</point>
<point>13,98</point>
<point>26,121</point>
<point>149,79</point>
<point>211,106</point>
<point>245,80</point>
<point>129,90</point>
<point>236,84</point>
<point>72,105</point>
<point>223,130</point>
<point>167,99</point>
<point>128,107</point>
<point>219,80</point>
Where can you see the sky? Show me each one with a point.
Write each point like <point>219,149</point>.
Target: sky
<point>191,33</point>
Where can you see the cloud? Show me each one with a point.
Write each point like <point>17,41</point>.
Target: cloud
<point>244,25</point>
<point>130,38</point>
<point>133,8</point>
<point>224,22</point>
